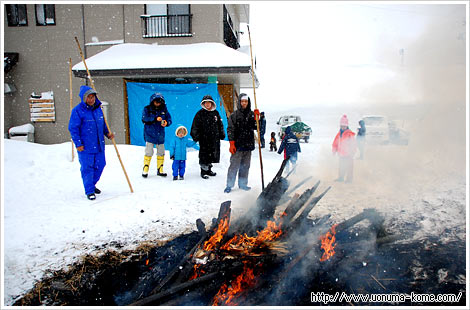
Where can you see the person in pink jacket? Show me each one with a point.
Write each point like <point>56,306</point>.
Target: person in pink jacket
<point>344,145</point>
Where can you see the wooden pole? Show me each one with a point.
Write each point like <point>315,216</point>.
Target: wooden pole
<point>106,122</point>
<point>256,107</point>
<point>71,99</point>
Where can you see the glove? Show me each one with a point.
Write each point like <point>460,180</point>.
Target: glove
<point>164,123</point>
<point>232,148</point>
<point>256,111</point>
<point>159,119</point>
<point>172,157</point>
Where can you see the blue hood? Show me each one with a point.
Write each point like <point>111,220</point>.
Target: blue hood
<point>84,92</point>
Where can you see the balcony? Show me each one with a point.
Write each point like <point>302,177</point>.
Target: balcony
<point>163,26</point>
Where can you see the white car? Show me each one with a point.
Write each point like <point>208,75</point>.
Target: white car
<point>377,129</point>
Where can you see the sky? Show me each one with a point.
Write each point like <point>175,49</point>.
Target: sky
<point>331,53</point>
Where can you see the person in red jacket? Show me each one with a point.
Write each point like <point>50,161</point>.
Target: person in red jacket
<point>345,146</point>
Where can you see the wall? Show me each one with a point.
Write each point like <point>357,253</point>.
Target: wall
<point>45,51</point>
<point>43,66</point>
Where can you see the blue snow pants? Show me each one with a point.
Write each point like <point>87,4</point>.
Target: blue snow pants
<point>179,166</point>
<point>92,165</point>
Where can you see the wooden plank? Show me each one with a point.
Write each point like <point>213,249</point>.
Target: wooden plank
<point>43,119</point>
<point>226,94</point>
<point>41,100</point>
<point>42,110</point>
<point>41,105</point>
<point>34,114</point>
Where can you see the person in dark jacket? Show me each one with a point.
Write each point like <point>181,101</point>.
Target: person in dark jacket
<point>88,128</point>
<point>208,130</point>
<point>361,138</point>
<point>272,142</point>
<point>240,130</point>
<point>291,146</point>
<point>262,129</point>
<point>155,118</point>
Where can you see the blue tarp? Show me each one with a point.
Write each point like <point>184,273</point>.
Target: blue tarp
<point>182,100</point>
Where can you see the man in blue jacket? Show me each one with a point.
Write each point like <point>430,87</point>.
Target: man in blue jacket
<point>88,128</point>
<point>155,118</point>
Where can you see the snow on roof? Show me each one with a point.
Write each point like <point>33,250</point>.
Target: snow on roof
<point>148,56</point>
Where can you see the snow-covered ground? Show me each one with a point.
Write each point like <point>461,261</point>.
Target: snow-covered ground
<point>48,223</point>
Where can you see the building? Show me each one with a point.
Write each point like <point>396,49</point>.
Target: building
<point>40,39</point>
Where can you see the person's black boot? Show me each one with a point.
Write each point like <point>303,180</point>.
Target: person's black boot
<point>211,173</point>
<point>97,191</point>
<point>91,196</point>
<point>204,174</point>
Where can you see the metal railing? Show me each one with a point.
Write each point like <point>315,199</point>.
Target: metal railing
<point>160,26</point>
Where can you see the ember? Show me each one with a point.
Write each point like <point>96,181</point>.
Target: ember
<point>229,293</point>
<point>328,244</point>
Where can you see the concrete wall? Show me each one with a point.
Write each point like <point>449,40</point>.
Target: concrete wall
<point>43,66</point>
<point>45,51</point>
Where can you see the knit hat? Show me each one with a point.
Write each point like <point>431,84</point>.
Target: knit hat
<point>344,121</point>
<point>87,93</point>
<point>244,97</point>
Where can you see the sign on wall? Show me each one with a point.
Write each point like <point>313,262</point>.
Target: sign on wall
<point>42,107</point>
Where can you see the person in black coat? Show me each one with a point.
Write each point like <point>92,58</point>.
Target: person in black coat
<point>262,129</point>
<point>208,130</point>
<point>240,130</point>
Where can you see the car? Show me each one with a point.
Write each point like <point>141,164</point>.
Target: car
<point>377,129</point>
<point>299,128</point>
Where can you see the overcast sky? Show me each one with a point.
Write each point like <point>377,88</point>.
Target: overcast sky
<point>321,53</point>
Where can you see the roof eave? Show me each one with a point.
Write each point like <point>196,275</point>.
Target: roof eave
<point>162,71</point>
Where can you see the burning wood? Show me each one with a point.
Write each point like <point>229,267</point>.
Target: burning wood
<point>328,244</point>
<point>239,253</point>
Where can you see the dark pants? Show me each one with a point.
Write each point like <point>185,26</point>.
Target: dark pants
<point>262,141</point>
<point>179,167</point>
<point>239,163</point>
<point>346,168</point>
<point>92,166</point>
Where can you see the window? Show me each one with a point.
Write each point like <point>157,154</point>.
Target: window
<point>166,20</point>
<point>16,15</point>
<point>45,14</point>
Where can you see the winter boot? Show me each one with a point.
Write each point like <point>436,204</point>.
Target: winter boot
<point>160,160</point>
<point>204,174</point>
<point>210,172</point>
<point>145,171</point>
<point>91,196</point>
<point>175,178</point>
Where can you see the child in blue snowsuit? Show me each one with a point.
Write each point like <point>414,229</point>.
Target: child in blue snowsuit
<point>290,145</point>
<point>178,152</point>
<point>88,128</point>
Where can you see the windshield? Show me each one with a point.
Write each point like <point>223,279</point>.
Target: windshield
<point>374,120</point>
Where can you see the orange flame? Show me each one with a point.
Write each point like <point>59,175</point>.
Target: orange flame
<point>227,294</point>
<point>328,244</point>
<point>217,236</point>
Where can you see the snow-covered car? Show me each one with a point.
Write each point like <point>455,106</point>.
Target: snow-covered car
<point>377,129</point>
<point>299,128</point>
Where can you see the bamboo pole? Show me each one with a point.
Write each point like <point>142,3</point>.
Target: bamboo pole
<point>106,122</point>
<point>256,107</point>
<point>71,99</point>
